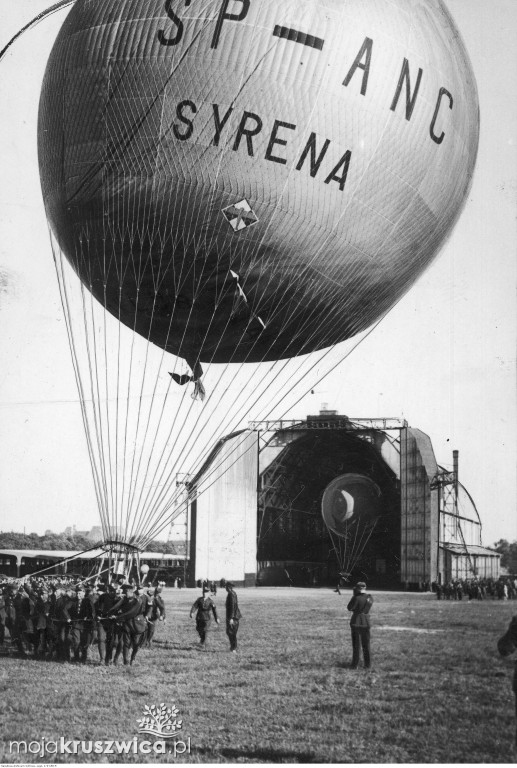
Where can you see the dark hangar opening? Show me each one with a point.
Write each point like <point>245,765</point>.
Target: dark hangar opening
<point>294,545</point>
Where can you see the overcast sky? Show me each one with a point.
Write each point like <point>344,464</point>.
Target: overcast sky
<point>444,358</point>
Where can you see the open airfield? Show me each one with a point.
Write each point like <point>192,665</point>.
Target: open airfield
<point>438,690</point>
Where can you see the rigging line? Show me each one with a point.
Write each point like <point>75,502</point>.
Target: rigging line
<point>324,376</point>
<point>48,12</point>
<point>359,553</point>
<point>282,513</point>
<point>154,392</point>
<point>336,546</point>
<point>96,403</point>
<point>106,382</point>
<point>73,351</point>
<point>341,360</point>
<point>199,493</point>
<point>154,518</point>
<point>274,363</point>
<point>207,476</point>
<point>199,460</point>
<point>141,454</point>
<point>75,556</point>
<point>97,415</point>
<point>170,328</point>
<point>117,520</point>
<point>237,419</point>
<point>363,538</point>
<point>176,441</point>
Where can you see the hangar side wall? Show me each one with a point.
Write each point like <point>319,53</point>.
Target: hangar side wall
<point>419,508</point>
<point>226,513</point>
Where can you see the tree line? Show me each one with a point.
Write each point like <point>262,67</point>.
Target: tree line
<point>59,541</point>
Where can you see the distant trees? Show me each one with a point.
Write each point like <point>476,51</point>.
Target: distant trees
<point>11,540</point>
<point>508,553</point>
<point>58,541</point>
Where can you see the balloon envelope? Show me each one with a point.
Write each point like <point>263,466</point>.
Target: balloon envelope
<point>250,181</point>
<point>350,500</point>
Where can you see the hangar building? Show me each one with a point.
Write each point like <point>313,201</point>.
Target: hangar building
<point>255,507</point>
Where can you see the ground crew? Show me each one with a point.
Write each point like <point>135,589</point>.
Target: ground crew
<point>105,626</point>
<point>204,608</point>
<point>156,612</point>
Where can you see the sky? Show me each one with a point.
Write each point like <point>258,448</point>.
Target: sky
<point>444,358</point>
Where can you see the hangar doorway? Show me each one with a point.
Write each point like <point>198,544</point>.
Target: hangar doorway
<point>293,542</point>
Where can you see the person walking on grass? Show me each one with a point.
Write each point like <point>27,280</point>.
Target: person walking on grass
<point>360,606</point>
<point>233,615</point>
<point>204,608</point>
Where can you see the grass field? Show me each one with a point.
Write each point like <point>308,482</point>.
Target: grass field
<point>437,692</point>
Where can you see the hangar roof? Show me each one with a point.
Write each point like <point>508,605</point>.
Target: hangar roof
<point>472,549</point>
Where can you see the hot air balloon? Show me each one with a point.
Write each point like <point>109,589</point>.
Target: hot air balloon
<point>238,183</point>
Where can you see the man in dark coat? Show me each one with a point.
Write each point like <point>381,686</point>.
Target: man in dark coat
<point>105,626</point>
<point>88,617</point>
<point>233,615</point>
<point>63,621</point>
<point>10,612</point>
<point>42,622</point>
<point>204,608</point>
<point>129,615</point>
<point>360,605</point>
<point>24,607</point>
<point>155,612</point>
<point>3,614</point>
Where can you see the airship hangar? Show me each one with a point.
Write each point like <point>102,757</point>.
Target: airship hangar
<point>299,502</point>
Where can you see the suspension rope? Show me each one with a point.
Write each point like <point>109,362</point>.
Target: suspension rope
<point>43,15</point>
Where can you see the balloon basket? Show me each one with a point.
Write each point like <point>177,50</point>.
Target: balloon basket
<point>120,559</point>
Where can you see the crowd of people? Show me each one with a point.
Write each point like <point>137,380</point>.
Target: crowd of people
<point>62,620</point>
<point>504,588</point>
<point>65,619</point>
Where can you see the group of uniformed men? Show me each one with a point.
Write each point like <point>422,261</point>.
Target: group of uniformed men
<point>47,621</point>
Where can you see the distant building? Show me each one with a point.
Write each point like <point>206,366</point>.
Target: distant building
<point>95,534</point>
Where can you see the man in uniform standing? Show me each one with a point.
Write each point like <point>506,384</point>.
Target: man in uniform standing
<point>155,612</point>
<point>360,605</point>
<point>204,607</point>
<point>105,626</point>
<point>233,615</point>
<point>129,615</point>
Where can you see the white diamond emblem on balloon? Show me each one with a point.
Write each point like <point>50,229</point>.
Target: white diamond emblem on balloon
<point>240,215</point>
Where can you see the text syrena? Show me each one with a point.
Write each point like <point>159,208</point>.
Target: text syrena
<point>361,63</point>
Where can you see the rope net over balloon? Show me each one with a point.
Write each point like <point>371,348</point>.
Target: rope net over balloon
<point>225,220</point>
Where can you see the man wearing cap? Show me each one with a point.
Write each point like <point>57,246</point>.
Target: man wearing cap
<point>360,606</point>
<point>204,607</point>
<point>233,615</point>
<point>105,626</point>
<point>129,615</point>
<point>88,616</point>
<point>155,612</point>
